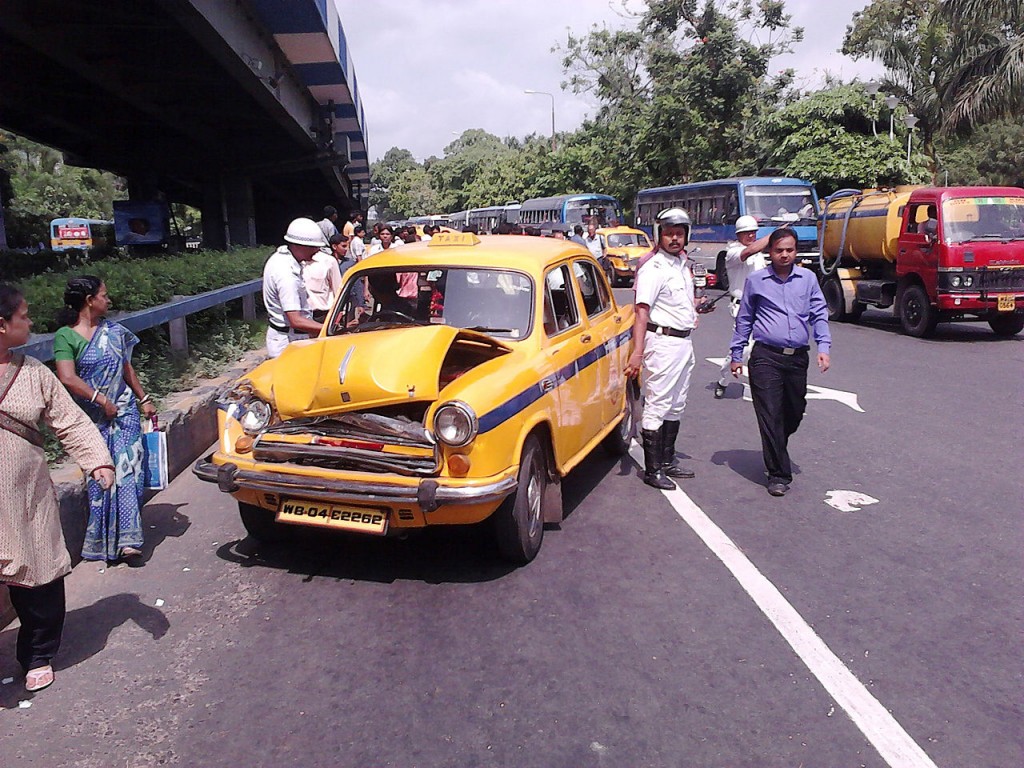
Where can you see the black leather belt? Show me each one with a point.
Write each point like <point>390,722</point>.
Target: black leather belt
<point>782,350</point>
<point>279,328</point>
<point>664,330</point>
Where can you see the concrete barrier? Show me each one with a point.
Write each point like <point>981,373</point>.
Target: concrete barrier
<point>190,420</point>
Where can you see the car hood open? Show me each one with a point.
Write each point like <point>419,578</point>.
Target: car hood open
<point>359,371</point>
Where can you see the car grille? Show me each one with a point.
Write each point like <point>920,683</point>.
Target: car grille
<point>365,442</point>
<point>1001,280</point>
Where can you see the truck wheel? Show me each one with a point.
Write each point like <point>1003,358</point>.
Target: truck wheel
<point>261,525</point>
<point>617,441</point>
<point>721,273</point>
<point>835,300</point>
<point>917,315</point>
<point>519,521</point>
<point>1007,325</point>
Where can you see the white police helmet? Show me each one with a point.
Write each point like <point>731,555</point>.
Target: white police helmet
<point>305,232</point>
<point>674,217</point>
<point>746,224</point>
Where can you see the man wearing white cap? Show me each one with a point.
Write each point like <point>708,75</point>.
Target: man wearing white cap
<point>744,257</point>
<point>284,294</point>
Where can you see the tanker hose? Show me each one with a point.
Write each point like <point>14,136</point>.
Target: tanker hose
<point>842,193</point>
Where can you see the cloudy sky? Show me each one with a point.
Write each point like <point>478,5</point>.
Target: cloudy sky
<point>430,69</point>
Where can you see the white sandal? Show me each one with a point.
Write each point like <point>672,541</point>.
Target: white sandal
<point>40,678</point>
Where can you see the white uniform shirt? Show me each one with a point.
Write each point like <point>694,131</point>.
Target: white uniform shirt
<point>322,278</point>
<point>739,270</point>
<point>328,228</point>
<point>665,284</point>
<point>595,245</point>
<point>283,289</point>
<point>357,248</point>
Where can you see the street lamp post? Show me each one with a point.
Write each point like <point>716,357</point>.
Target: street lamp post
<point>910,121</point>
<point>891,102</point>
<point>552,97</point>
<point>871,88</point>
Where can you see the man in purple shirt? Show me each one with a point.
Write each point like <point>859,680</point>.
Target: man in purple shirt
<point>777,305</point>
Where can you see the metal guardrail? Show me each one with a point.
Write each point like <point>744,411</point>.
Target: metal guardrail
<point>41,346</point>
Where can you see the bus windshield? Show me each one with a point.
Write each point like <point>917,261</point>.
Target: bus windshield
<point>983,218</point>
<point>794,204</point>
<point>578,210</point>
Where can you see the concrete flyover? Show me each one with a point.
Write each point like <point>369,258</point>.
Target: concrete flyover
<point>246,109</point>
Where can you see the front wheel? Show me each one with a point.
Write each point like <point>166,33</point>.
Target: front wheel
<point>1006,325</point>
<point>261,525</point>
<point>519,521</point>
<point>721,273</point>
<point>917,315</point>
<point>611,277</point>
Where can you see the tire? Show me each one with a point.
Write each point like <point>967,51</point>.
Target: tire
<point>835,300</point>
<point>721,273</point>
<point>611,277</point>
<point>519,521</point>
<point>261,525</point>
<point>858,310</point>
<point>616,443</point>
<point>918,317</point>
<point>1006,325</point>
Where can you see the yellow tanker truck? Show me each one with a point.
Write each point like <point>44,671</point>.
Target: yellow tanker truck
<point>933,254</point>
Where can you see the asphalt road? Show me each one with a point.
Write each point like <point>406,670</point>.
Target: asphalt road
<point>797,635</point>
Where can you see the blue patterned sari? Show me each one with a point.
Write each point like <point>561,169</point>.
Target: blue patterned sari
<point>115,521</point>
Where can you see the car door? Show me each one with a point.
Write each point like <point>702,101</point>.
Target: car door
<point>564,329</point>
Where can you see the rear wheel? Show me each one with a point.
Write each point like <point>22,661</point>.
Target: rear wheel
<point>917,315</point>
<point>618,440</point>
<point>1007,325</point>
<point>836,301</point>
<point>519,521</point>
<point>261,525</point>
<point>721,273</point>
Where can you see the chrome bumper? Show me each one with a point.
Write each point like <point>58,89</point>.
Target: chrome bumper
<point>428,494</point>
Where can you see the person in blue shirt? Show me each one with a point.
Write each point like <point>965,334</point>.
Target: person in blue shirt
<point>778,304</point>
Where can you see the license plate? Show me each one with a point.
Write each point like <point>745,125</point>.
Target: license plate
<point>357,519</point>
<point>1006,303</point>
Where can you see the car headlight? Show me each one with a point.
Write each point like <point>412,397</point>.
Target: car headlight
<point>968,280</point>
<point>455,424</point>
<point>956,281</point>
<point>256,417</point>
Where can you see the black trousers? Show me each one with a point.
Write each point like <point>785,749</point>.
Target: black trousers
<point>41,610</point>
<point>778,385</point>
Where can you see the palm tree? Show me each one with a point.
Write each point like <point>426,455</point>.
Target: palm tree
<point>988,82</point>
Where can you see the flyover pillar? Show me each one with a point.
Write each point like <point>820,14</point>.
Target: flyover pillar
<point>229,218</point>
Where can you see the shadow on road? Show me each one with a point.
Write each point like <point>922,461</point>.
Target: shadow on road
<point>86,632</point>
<point>944,332</point>
<point>745,463</point>
<point>160,521</point>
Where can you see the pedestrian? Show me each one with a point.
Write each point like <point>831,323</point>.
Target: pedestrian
<point>744,256</point>
<point>577,235</point>
<point>357,247</point>
<point>778,304</point>
<point>33,556</point>
<point>329,223</point>
<point>428,233</point>
<point>354,219</point>
<point>385,240</point>
<point>595,243</point>
<point>322,278</point>
<point>93,358</point>
<point>289,317</point>
<point>666,314</point>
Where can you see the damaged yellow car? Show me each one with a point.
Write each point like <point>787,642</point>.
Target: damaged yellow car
<point>454,381</point>
<point>623,248</point>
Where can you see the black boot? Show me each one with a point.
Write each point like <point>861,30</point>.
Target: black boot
<point>669,431</point>
<point>653,451</point>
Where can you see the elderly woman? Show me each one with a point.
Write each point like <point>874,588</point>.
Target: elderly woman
<point>33,557</point>
<point>94,361</point>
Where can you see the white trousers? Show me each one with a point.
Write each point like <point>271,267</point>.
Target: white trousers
<point>277,341</point>
<point>725,375</point>
<point>668,361</point>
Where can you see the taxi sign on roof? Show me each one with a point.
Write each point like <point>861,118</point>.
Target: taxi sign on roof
<point>453,238</point>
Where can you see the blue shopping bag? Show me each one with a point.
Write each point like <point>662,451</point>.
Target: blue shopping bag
<point>154,456</point>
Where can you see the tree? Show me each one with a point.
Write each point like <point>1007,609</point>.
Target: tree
<point>464,160</point>
<point>383,173</point>
<point>993,154</point>
<point>412,195</point>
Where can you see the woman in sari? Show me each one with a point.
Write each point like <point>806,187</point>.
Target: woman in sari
<point>94,361</point>
<point>33,556</point>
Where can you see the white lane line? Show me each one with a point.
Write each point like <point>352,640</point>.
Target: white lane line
<point>874,721</point>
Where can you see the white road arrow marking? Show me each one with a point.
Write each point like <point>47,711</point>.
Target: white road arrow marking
<point>848,501</point>
<point>814,392</point>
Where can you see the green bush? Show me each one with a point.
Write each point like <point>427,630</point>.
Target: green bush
<point>135,284</point>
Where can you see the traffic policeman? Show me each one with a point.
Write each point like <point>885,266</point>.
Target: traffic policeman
<point>284,293</point>
<point>666,315</point>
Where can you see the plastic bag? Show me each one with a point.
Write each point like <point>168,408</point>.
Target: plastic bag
<point>154,456</point>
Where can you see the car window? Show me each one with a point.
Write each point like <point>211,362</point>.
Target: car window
<point>592,287</point>
<point>560,310</point>
<point>493,301</point>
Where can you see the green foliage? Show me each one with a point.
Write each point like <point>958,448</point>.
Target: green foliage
<point>412,194</point>
<point>138,284</point>
<point>466,158</point>
<point>994,154</point>
<point>44,188</point>
<point>384,172</point>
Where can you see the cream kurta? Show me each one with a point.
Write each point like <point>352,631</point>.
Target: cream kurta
<point>32,549</point>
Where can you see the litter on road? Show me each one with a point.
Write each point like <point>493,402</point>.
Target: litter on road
<point>848,501</point>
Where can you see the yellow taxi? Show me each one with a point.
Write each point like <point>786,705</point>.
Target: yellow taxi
<point>454,381</point>
<point>623,246</point>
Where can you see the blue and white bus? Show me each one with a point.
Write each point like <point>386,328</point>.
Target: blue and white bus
<point>543,212</point>
<point>715,205</point>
